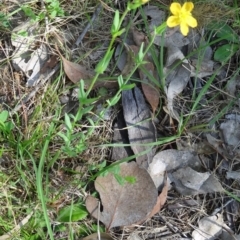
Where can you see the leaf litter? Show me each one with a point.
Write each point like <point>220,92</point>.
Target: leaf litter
<point>184,168</point>
<point>185,171</point>
<point>123,204</point>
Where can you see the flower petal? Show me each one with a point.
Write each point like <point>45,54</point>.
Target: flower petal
<point>187,7</point>
<point>173,21</point>
<point>175,8</point>
<point>184,28</point>
<point>191,21</point>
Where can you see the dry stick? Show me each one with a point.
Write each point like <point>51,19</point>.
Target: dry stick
<point>98,230</point>
<point>85,30</point>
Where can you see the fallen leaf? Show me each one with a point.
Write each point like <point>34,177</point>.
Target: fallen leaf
<point>177,84</point>
<point>152,95</point>
<point>76,72</point>
<point>190,178</point>
<point>218,146</point>
<point>35,64</point>
<point>232,85</point>
<point>190,182</point>
<point>123,204</point>
<point>230,132</point>
<point>162,198</point>
<point>170,160</point>
<point>155,15</point>
<point>209,228</point>
<point>94,236</point>
<point>139,37</point>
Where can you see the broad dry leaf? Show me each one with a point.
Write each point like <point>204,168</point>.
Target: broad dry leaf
<point>139,37</point>
<point>94,236</point>
<point>230,132</point>
<point>190,182</point>
<point>154,15</point>
<point>162,198</point>
<point>152,95</point>
<point>123,204</point>
<point>170,160</point>
<point>76,72</point>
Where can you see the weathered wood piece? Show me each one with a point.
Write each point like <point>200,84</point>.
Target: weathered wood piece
<point>140,126</point>
<point>120,135</point>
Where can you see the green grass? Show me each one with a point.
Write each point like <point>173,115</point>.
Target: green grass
<point>48,158</point>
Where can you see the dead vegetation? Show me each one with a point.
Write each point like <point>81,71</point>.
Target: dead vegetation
<point>174,124</point>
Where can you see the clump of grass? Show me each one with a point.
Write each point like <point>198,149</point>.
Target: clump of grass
<point>207,12</point>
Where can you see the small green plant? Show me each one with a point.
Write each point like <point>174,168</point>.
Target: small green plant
<point>53,10</point>
<point>5,126</point>
<point>72,213</point>
<point>4,22</point>
<point>224,32</point>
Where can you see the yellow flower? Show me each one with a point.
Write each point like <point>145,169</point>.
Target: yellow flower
<point>182,16</point>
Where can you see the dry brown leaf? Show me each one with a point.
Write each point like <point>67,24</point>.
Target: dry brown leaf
<point>94,236</point>
<point>76,72</point>
<point>152,96</point>
<point>139,37</point>
<point>124,204</point>
<point>150,92</point>
<point>162,198</point>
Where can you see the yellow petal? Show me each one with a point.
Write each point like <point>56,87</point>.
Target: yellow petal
<point>173,21</point>
<point>175,8</point>
<point>187,7</point>
<point>191,21</point>
<point>184,28</point>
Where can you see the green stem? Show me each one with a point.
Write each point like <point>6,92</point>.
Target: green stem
<point>109,49</point>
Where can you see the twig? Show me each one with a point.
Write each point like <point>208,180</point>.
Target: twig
<point>85,30</point>
<point>46,17</point>
<point>98,230</point>
<point>217,210</point>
